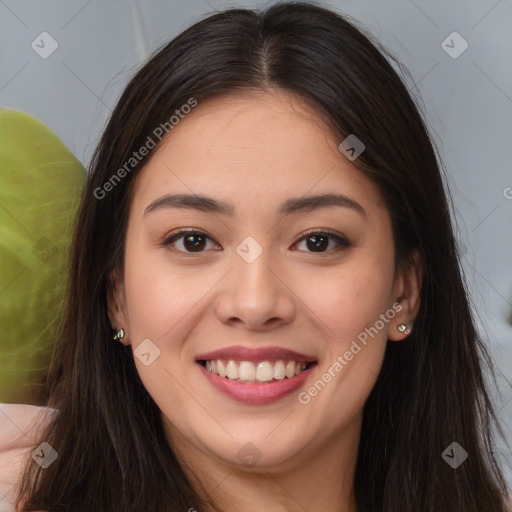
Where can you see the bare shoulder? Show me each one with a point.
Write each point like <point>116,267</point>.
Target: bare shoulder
<point>21,427</point>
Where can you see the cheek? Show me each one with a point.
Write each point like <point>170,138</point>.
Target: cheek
<point>159,297</point>
<point>349,298</point>
<point>161,308</point>
<point>349,305</point>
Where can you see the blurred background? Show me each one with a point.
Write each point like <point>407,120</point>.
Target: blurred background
<point>66,63</point>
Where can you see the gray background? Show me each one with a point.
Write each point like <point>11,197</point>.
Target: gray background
<point>467,101</point>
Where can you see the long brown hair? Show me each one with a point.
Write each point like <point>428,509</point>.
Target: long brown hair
<point>112,451</point>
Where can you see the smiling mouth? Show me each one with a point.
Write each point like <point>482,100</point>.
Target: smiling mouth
<point>264,372</point>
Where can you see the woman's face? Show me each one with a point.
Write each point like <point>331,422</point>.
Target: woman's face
<point>259,290</point>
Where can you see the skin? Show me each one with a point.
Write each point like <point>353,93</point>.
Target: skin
<point>256,151</point>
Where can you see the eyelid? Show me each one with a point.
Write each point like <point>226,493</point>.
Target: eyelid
<point>340,239</point>
<point>181,232</point>
<point>325,231</point>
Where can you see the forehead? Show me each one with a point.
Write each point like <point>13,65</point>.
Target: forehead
<point>246,123</point>
<point>268,145</point>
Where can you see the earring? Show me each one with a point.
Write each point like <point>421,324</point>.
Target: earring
<point>403,328</point>
<point>119,334</point>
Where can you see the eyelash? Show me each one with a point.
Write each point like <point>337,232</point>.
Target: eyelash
<point>342,242</point>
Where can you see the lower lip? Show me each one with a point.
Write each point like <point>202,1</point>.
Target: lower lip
<point>255,393</point>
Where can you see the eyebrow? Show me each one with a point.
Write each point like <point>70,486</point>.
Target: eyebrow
<point>290,206</point>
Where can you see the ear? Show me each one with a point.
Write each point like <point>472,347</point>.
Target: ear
<point>406,292</point>
<point>116,299</point>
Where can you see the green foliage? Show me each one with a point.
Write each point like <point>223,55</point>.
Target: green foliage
<point>40,187</point>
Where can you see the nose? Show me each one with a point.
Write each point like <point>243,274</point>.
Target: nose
<point>255,295</point>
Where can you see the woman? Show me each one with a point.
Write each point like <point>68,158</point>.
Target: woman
<point>265,307</point>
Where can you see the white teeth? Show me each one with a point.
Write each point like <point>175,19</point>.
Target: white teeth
<point>290,369</point>
<point>220,369</point>
<point>264,372</point>
<point>232,370</point>
<point>279,370</point>
<point>247,371</point>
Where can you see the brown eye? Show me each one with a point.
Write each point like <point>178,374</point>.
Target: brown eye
<point>319,241</point>
<point>192,241</point>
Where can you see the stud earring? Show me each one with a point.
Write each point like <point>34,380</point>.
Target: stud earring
<point>403,328</point>
<point>119,334</point>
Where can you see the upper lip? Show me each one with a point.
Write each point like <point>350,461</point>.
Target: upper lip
<point>241,353</point>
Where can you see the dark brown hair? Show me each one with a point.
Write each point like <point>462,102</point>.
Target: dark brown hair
<point>113,454</point>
